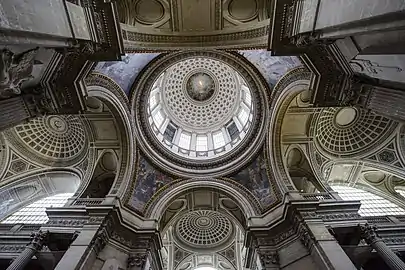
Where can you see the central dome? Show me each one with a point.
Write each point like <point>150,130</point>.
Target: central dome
<point>199,108</point>
<point>200,94</point>
<point>200,86</point>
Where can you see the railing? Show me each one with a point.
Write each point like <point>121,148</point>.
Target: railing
<point>88,201</point>
<point>322,196</point>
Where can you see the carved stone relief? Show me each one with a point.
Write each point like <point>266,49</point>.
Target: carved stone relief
<point>15,69</point>
<point>387,67</point>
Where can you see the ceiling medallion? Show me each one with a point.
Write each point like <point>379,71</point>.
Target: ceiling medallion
<point>200,86</point>
<point>200,113</point>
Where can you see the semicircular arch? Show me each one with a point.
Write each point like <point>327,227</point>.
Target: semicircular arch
<point>110,93</point>
<point>246,202</point>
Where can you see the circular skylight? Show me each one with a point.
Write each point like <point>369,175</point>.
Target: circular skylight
<point>199,111</point>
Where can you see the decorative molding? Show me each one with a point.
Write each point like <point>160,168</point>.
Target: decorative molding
<point>280,100</point>
<point>331,216</point>
<point>235,39</point>
<point>137,259</point>
<point>269,258</point>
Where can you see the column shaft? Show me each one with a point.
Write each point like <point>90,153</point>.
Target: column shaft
<point>23,259</point>
<point>389,257</point>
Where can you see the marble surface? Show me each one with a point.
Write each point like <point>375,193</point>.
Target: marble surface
<point>124,72</point>
<point>40,16</point>
<point>271,67</point>
<point>385,67</point>
<point>337,12</point>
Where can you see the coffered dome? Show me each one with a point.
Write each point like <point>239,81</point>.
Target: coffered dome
<point>50,139</point>
<point>204,229</point>
<point>198,112</point>
<point>351,131</point>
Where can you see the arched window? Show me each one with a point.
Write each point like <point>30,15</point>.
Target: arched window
<point>35,212</point>
<point>400,191</point>
<point>371,204</point>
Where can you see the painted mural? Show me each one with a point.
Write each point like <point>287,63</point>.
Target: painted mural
<point>255,179</point>
<point>148,181</point>
<point>124,72</point>
<point>271,67</point>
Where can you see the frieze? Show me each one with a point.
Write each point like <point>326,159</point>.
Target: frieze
<point>66,222</point>
<point>276,240</point>
<point>75,222</point>
<point>161,39</point>
<point>330,216</point>
<point>12,248</point>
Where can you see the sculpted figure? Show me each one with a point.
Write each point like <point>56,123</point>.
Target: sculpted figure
<point>14,70</point>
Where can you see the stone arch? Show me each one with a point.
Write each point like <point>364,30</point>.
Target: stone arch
<point>26,189</point>
<point>162,200</point>
<point>371,176</point>
<point>104,175</point>
<point>110,93</point>
<point>300,170</point>
<point>291,84</point>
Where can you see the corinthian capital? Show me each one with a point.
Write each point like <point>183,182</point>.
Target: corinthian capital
<point>39,239</point>
<point>368,233</point>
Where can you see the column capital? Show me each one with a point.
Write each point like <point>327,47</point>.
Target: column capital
<point>368,233</point>
<point>137,260</point>
<point>269,258</point>
<point>39,239</point>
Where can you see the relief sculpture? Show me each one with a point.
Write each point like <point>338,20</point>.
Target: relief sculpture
<point>14,70</point>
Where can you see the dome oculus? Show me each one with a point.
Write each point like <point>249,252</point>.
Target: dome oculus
<point>200,86</point>
<point>196,108</point>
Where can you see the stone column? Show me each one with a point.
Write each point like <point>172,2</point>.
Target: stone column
<point>369,234</point>
<point>38,240</point>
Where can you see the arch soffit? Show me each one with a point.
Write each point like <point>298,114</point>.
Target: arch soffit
<point>292,83</point>
<point>28,188</point>
<point>398,201</point>
<point>158,205</point>
<point>104,88</point>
